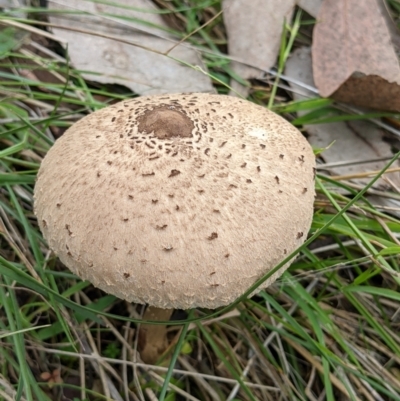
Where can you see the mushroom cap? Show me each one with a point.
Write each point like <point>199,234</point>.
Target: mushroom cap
<point>177,201</point>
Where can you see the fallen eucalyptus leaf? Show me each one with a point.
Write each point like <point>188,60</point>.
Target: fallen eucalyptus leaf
<point>355,141</point>
<point>310,6</point>
<point>124,43</point>
<point>354,59</point>
<point>254,35</point>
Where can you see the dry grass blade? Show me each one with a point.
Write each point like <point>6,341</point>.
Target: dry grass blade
<point>318,366</point>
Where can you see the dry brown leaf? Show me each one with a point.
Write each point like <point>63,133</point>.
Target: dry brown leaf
<point>358,140</point>
<point>254,34</point>
<point>117,60</point>
<point>354,60</point>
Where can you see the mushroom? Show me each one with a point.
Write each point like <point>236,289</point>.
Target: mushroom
<point>177,201</point>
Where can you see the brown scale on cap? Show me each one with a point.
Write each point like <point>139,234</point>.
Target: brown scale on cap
<point>190,184</point>
<point>166,122</point>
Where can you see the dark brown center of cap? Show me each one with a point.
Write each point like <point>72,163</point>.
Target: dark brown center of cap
<point>166,122</point>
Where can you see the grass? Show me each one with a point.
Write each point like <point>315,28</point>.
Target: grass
<point>326,330</point>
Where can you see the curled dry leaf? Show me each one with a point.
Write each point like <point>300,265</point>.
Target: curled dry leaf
<point>117,50</point>
<point>254,33</point>
<point>355,141</point>
<point>354,59</point>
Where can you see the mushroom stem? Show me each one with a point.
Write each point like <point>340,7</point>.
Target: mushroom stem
<point>153,337</point>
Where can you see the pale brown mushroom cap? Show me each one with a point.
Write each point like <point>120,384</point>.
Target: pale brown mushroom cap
<point>177,201</point>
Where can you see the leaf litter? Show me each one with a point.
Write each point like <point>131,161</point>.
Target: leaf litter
<point>354,57</point>
<point>310,6</point>
<point>126,44</point>
<point>357,142</point>
<point>254,36</point>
